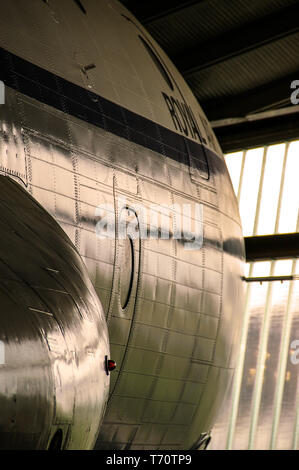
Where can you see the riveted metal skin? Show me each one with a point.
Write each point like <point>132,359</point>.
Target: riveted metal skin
<point>54,331</point>
<point>124,132</point>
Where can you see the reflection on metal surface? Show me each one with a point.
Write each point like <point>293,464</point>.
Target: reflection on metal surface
<point>265,181</point>
<point>53,381</point>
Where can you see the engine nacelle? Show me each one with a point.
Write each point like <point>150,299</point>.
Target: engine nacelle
<point>54,341</point>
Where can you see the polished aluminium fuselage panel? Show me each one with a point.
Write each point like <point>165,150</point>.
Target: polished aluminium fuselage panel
<point>176,341</point>
<point>53,380</point>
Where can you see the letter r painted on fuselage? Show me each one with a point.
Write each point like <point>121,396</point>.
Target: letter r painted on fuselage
<point>182,117</point>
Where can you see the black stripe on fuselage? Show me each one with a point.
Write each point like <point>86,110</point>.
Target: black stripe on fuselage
<point>50,89</point>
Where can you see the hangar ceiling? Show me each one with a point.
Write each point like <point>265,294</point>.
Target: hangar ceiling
<point>238,57</point>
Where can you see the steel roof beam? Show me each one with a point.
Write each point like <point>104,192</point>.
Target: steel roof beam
<point>271,28</point>
<point>253,134</point>
<point>265,97</point>
<point>148,12</point>
<point>270,247</point>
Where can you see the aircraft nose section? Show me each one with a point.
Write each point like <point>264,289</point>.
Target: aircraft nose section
<point>53,333</point>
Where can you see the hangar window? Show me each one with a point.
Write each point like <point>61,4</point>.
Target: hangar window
<point>262,411</point>
<point>265,183</point>
<point>157,62</point>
